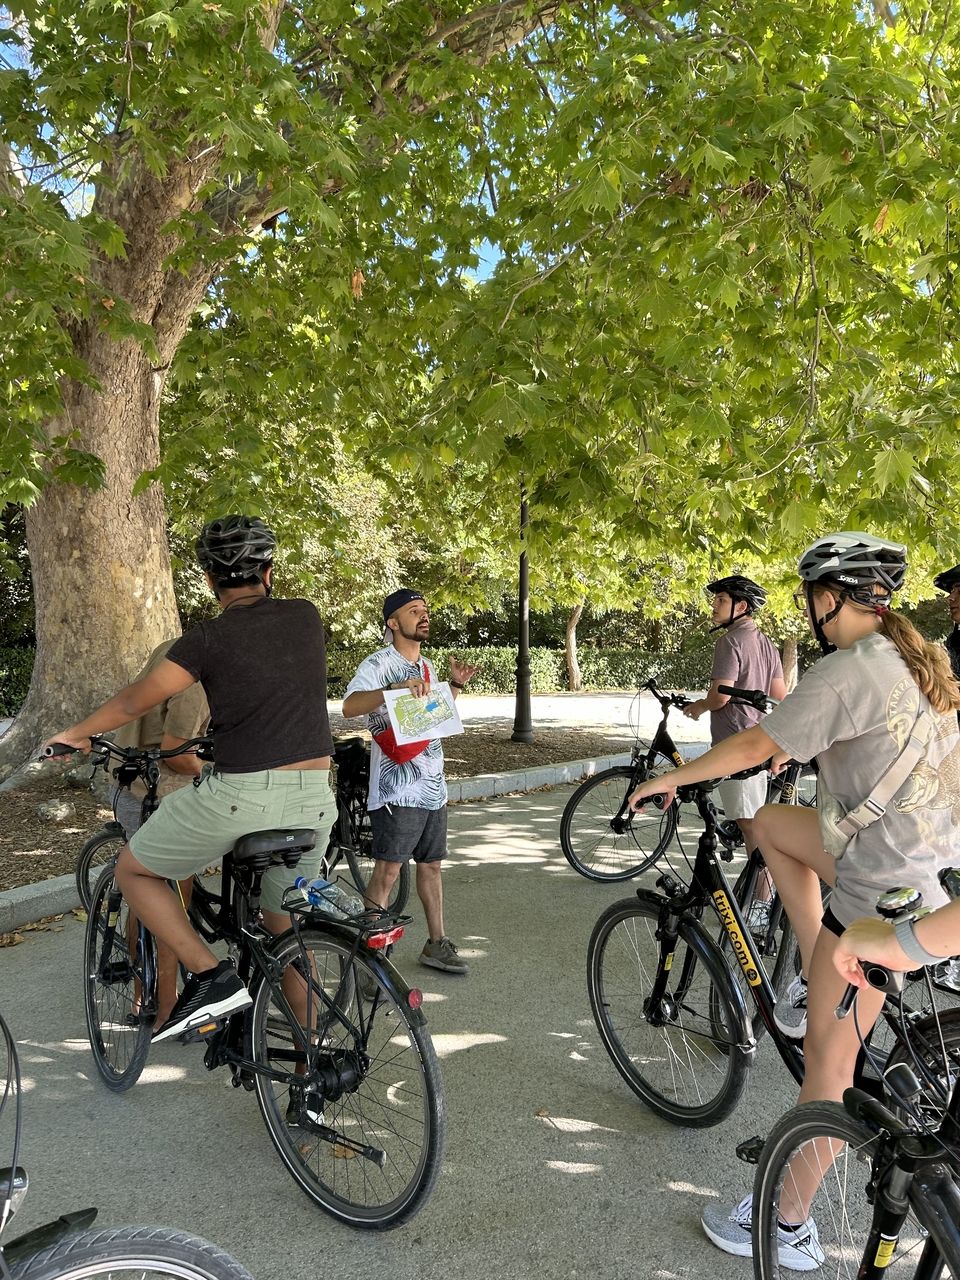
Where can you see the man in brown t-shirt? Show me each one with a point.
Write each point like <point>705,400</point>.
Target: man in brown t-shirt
<point>743,656</point>
<point>168,726</point>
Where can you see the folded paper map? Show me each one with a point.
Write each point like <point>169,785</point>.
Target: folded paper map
<point>414,719</point>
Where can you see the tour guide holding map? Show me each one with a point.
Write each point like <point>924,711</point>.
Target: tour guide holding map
<point>408,792</point>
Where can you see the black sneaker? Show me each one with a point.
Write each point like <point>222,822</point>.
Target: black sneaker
<point>206,998</point>
<point>305,1111</point>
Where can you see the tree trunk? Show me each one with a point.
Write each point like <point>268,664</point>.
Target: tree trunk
<point>790,663</point>
<point>574,678</point>
<point>102,584</point>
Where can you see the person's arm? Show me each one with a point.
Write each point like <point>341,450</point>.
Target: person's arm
<point>741,751</point>
<point>188,764</point>
<point>165,681</point>
<point>778,689</point>
<point>363,701</point>
<point>712,702</point>
<point>873,939</point>
<point>460,673</point>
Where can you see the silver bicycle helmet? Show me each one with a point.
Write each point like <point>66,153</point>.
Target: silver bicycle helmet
<point>855,560</point>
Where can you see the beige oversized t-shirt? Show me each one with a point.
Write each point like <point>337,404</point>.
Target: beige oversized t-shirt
<point>853,711</point>
<point>185,715</point>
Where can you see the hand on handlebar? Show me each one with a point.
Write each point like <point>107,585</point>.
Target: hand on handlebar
<point>779,762</point>
<point>64,740</point>
<point>694,710</point>
<point>656,790</point>
<point>868,939</point>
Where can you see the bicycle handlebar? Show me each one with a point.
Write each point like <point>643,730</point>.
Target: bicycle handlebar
<point>677,700</point>
<point>104,747</point>
<point>755,698</point>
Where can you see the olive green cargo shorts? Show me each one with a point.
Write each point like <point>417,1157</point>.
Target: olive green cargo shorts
<point>198,825</point>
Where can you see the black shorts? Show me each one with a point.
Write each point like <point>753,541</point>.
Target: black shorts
<point>831,922</point>
<point>401,833</point>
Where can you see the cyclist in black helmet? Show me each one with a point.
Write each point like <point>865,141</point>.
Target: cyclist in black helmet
<point>743,656</point>
<point>949,581</point>
<point>879,689</point>
<point>262,665</point>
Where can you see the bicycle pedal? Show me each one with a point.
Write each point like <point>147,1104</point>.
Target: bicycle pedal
<point>202,1034</point>
<point>749,1150</point>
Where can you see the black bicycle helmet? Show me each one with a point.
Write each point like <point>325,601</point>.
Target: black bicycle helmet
<point>949,579</point>
<point>236,547</point>
<point>856,563</point>
<point>737,587</point>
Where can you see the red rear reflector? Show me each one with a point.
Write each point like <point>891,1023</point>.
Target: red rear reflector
<point>414,998</point>
<point>386,939</point>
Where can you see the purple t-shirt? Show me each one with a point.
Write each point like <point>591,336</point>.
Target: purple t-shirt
<point>744,657</point>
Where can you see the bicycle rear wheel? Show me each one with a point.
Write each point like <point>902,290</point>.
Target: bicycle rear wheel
<point>116,958</point>
<point>815,1169</point>
<point>99,851</point>
<point>356,842</point>
<point>932,1050</point>
<point>602,839</point>
<point>364,1137</point>
<point>149,1253</point>
<point>686,1059</point>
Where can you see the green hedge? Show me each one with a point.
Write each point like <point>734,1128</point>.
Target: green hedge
<point>16,666</point>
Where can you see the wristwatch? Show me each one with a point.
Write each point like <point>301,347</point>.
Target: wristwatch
<point>911,945</point>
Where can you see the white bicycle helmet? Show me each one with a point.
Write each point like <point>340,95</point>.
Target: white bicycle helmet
<point>855,560</point>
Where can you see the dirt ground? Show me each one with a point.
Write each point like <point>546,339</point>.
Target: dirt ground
<point>33,849</point>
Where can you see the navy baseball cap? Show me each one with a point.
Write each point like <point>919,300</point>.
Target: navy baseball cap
<point>396,600</point>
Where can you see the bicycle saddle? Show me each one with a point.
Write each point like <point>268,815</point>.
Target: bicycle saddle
<point>261,849</point>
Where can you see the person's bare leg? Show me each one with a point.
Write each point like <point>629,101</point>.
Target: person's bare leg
<point>793,850</point>
<point>167,964</point>
<point>430,893</point>
<point>763,889</point>
<point>831,1047</point>
<point>381,882</point>
<point>154,902</point>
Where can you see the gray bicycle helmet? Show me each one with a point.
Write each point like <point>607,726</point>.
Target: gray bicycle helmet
<point>855,560</point>
<point>949,579</point>
<point>236,547</point>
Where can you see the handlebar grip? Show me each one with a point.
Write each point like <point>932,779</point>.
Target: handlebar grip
<point>846,1004</point>
<point>55,749</point>
<point>656,801</point>
<point>949,879</point>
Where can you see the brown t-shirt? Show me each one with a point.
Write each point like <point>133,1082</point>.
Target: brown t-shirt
<point>185,715</point>
<point>263,667</point>
<point>745,657</point>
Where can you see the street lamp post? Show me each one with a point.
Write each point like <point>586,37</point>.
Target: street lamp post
<point>523,719</point>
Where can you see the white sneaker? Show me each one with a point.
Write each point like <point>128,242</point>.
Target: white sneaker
<point>790,1011</point>
<point>732,1231</point>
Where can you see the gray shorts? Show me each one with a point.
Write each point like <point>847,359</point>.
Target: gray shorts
<point>743,797</point>
<point>401,833</point>
<point>198,825</point>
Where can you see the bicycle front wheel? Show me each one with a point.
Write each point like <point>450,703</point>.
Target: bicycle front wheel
<point>100,851</point>
<point>149,1253</point>
<point>117,957</point>
<point>602,839</point>
<point>360,1128</point>
<point>816,1170</point>
<point>684,1058</point>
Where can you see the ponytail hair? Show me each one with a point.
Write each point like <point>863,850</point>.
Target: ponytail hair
<point>929,664</point>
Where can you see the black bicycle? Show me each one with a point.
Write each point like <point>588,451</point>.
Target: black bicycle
<point>603,839</point>
<point>670,1012</point>
<point>335,1044</point>
<point>70,1248</point>
<point>352,837</point>
<point>876,1187</point>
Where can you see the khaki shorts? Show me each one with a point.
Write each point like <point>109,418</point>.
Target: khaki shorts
<point>198,825</point>
<point>742,797</point>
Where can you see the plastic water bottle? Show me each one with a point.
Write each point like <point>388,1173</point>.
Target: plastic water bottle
<point>329,898</point>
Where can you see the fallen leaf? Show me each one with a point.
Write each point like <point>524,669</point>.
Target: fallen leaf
<point>79,913</point>
<point>10,939</point>
<point>343,1153</point>
<point>540,1111</point>
<point>109,303</point>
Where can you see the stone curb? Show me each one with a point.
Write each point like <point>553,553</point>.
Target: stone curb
<point>53,897</point>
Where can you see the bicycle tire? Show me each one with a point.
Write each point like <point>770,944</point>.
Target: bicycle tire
<point>622,957</point>
<point>588,839</point>
<point>398,1082</point>
<point>356,842</point>
<point>839,1203</point>
<point>93,857</point>
<point>119,1037</point>
<point>115,1251</point>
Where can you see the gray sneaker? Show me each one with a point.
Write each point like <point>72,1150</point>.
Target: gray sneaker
<point>790,1011</point>
<point>731,1230</point>
<point>443,955</point>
